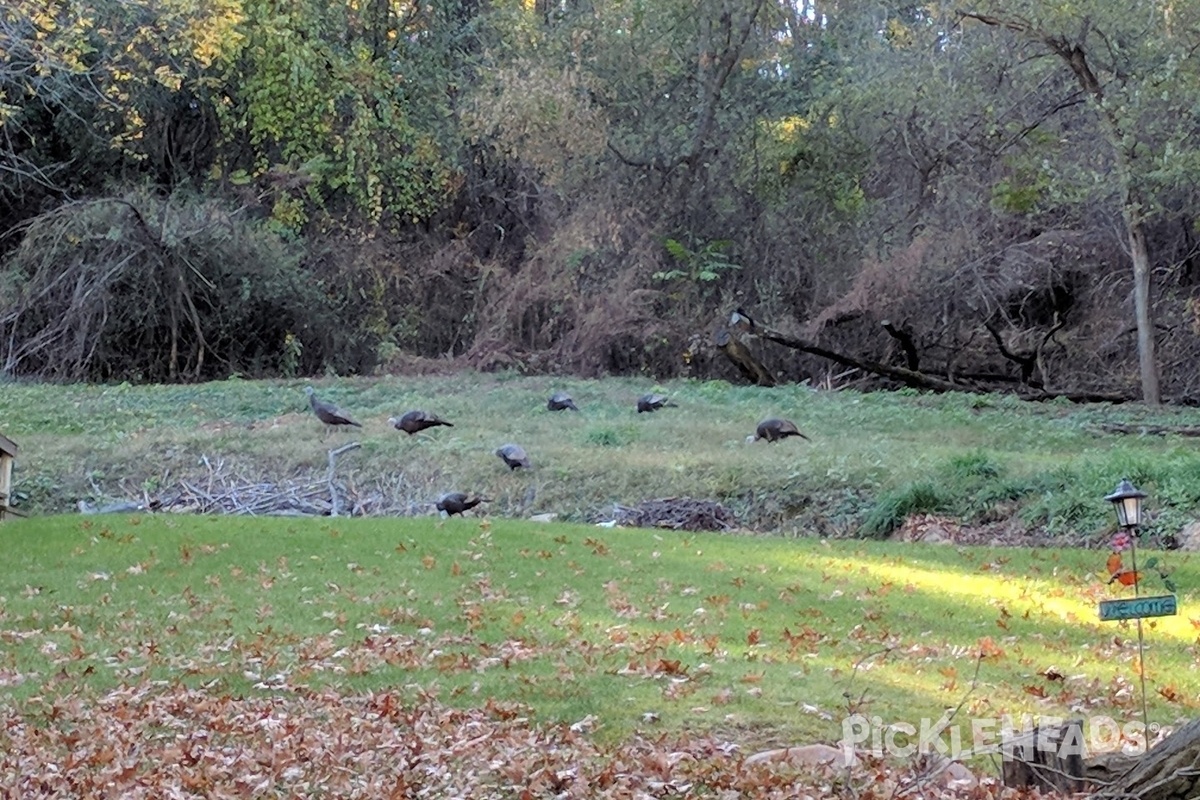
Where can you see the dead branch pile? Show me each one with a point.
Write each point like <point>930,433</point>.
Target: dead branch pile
<point>225,491</point>
<point>677,513</point>
<point>221,489</point>
<point>261,498</point>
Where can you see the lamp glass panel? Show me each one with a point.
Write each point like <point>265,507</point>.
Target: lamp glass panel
<point>1129,511</point>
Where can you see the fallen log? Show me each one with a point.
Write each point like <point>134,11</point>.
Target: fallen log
<point>1170,771</point>
<point>917,380</point>
<point>921,380</point>
<point>1149,430</point>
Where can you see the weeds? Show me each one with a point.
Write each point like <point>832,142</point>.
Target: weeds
<point>604,437</point>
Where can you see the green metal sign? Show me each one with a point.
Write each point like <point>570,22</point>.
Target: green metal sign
<point>1138,607</point>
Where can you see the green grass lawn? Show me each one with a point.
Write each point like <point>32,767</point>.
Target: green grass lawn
<point>873,458</point>
<point>764,639</point>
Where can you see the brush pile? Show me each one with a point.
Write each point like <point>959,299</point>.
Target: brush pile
<point>677,513</point>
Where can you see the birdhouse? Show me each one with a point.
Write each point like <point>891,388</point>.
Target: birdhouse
<point>8,451</point>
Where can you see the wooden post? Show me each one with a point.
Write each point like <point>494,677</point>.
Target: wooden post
<point>8,451</point>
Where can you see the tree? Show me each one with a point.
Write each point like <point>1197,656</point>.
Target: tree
<point>1135,66</point>
<point>346,105</point>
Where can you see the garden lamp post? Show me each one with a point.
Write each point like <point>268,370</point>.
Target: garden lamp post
<point>1127,502</point>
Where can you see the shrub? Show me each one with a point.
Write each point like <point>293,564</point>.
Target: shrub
<point>150,288</point>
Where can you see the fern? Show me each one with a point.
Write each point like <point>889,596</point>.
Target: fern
<point>700,266</point>
<point>676,249</point>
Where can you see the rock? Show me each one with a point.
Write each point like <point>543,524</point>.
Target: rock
<point>543,518</point>
<point>1189,537</point>
<point>949,774</point>
<point>822,756</point>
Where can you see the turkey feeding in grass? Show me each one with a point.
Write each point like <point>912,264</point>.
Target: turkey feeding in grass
<point>561,401</point>
<point>416,421</point>
<point>513,455</point>
<point>653,402</point>
<point>328,413</point>
<point>775,429</point>
<point>456,503</point>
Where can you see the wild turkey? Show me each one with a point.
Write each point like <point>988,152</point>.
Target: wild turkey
<point>561,401</point>
<point>653,402</point>
<point>328,413</point>
<point>416,421</point>
<point>514,455</point>
<point>775,429</point>
<point>456,503</point>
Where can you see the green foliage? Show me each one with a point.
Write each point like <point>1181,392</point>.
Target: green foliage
<point>1142,97</point>
<point>328,110</point>
<point>703,265</point>
<point>98,85</point>
<point>805,158</point>
<point>576,258</point>
<point>290,359</point>
<point>890,510</point>
<point>1061,512</point>
<point>1018,196</point>
<point>360,124</point>
<point>977,464</point>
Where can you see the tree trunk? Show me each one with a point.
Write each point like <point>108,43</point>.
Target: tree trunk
<point>1051,758</point>
<point>1046,758</point>
<point>1147,360</point>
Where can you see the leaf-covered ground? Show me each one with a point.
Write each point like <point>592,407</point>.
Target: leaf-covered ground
<point>165,741</point>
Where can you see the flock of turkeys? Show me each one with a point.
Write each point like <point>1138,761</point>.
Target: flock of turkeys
<point>513,455</point>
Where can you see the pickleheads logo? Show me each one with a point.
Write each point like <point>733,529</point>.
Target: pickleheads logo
<point>1010,737</point>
